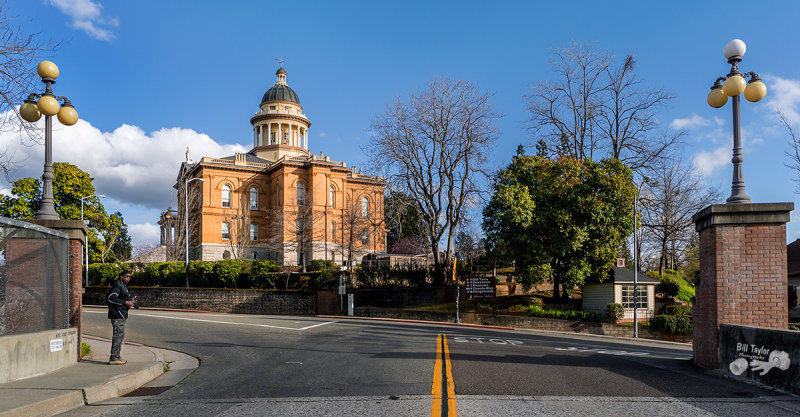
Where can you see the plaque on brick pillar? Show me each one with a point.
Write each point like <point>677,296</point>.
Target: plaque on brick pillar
<point>742,272</point>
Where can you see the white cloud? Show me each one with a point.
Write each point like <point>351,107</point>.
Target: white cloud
<point>784,96</point>
<point>690,122</point>
<point>705,163</point>
<point>144,234</point>
<point>86,15</point>
<point>130,166</point>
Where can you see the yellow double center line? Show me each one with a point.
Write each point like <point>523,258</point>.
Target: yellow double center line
<point>443,389</point>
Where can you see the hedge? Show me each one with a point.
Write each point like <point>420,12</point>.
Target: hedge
<point>672,324</point>
<point>229,273</point>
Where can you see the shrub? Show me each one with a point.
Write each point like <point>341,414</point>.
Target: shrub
<point>679,310</point>
<point>229,271</point>
<point>104,274</point>
<point>672,324</point>
<point>201,274</point>
<point>534,310</point>
<point>172,274</point>
<point>685,288</point>
<point>615,312</point>
<point>668,289</point>
<point>262,273</point>
<point>85,349</point>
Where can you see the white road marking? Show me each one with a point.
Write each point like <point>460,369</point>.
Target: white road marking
<point>225,322</point>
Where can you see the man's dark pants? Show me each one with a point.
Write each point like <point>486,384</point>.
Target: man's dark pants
<point>116,339</point>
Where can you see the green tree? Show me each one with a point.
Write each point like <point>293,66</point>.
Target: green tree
<point>562,219</point>
<point>108,234</point>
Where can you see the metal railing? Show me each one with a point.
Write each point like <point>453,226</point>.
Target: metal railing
<point>34,278</point>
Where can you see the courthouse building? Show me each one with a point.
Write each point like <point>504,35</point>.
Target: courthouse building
<point>278,201</point>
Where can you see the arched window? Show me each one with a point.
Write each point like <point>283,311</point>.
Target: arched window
<point>254,256</point>
<point>226,196</point>
<point>364,206</point>
<point>253,198</point>
<point>333,231</point>
<point>301,194</point>
<point>365,237</point>
<point>226,255</point>
<point>332,197</point>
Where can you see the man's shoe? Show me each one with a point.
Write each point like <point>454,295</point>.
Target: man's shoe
<point>118,362</point>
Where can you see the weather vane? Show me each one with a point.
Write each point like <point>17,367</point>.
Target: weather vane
<point>281,61</point>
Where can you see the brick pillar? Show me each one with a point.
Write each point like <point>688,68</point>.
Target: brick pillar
<point>77,231</point>
<point>742,272</point>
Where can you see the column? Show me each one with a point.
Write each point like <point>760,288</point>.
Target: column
<point>255,137</point>
<point>260,135</point>
<point>269,133</point>
<point>306,139</point>
<point>743,278</point>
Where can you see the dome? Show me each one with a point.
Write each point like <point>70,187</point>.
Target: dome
<point>280,92</point>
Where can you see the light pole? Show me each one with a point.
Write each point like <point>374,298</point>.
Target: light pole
<point>31,111</point>
<point>645,180</point>
<point>86,246</point>
<point>186,218</point>
<point>733,86</point>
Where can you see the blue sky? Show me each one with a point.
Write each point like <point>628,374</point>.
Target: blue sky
<point>149,78</point>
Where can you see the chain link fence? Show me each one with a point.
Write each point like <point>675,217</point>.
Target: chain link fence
<point>34,278</point>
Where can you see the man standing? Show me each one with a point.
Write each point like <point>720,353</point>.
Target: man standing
<point>119,301</point>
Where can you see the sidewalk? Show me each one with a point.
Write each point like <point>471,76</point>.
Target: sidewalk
<point>92,380</point>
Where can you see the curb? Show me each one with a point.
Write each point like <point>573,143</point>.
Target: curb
<point>48,407</point>
<point>121,385</point>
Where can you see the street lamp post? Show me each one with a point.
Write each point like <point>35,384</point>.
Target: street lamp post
<point>732,85</point>
<point>48,105</point>
<point>186,218</point>
<point>86,245</point>
<point>645,180</point>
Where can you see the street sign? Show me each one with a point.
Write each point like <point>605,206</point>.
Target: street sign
<point>480,287</point>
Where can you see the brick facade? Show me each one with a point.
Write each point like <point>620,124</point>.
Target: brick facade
<point>742,272</point>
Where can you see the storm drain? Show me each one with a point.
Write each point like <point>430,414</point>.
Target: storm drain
<point>146,391</point>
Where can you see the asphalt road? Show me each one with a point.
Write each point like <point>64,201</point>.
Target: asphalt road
<point>280,365</point>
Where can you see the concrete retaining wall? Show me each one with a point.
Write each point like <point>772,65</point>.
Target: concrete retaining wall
<point>216,299</point>
<point>31,354</point>
<point>523,323</point>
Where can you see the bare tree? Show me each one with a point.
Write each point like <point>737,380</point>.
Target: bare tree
<point>352,224</point>
<point>306,222</point>
<point>19,53</point>
<point>673,196</point>
<point>565,112</point>
<point>594,109</point>
<point>433,145</point>
<point>794,153</point>
<point>239,227</point>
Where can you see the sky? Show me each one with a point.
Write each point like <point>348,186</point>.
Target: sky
<point>151,78</point>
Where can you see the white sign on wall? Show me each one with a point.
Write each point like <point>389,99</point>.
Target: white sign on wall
<point>56,345</point>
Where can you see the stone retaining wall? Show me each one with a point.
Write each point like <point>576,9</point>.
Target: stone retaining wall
<point>221,300</point>
<point>521,322</point>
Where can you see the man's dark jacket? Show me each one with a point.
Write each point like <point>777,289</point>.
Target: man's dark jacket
<point>116,298</point>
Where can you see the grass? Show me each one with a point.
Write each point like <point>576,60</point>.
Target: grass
<point>85,349</point>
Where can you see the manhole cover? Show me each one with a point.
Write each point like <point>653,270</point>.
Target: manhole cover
<point>146,391</point>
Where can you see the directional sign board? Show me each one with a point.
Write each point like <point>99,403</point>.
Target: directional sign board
<point>480,287</point>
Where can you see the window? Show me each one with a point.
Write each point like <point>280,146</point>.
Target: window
<point>286,137</point>
<point>364,206</point>
<point>365,237</point>
<point>301,194</point>
<point>226,255</point>
<point>286,108</point>
<point>627,296</point>
<point>226,196</point>
<point>298,225</point>
<point>254,198</point>
<point>253,232</point>
<point>273,107</point>
<point>254,256</point>
<point>200,200</point>
<point>226,230</point>
<point>333,230</point>
<point>332,197</point>
<point>272,138</point>
<point>277,195</point>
